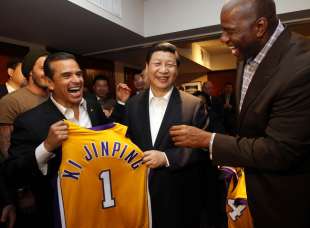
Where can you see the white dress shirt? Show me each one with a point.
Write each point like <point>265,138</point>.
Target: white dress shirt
<point>157,109</point>
<point>42,155</point>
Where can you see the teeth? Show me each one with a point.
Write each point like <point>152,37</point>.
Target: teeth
<point>74,89</point>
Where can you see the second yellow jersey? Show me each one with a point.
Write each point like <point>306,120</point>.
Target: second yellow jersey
<point>102,182</point>
<point>237,209</point>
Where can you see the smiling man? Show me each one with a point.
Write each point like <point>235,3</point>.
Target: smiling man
<point>175,176</point>
<point>34,154</point>
<point>273,94</point>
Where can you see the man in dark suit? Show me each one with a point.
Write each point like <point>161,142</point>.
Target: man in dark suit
<point>228,101</point>
<point>273,96</point>
<point>175,176</point>
<point>34,155</point>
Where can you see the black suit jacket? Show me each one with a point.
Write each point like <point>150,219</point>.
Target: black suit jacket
<point>31,129</point>
<point>229,114</point>
<point>176,192</point>
<point>274,137</point>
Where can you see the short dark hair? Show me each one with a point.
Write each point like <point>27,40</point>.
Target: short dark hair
<point>55,57</point>
<point>165,47</point>
<point>101,77</point>
<point>13,63</point>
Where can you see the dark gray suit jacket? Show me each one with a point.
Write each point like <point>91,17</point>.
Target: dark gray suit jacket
<point>176,192</point>
<point>274,136</point>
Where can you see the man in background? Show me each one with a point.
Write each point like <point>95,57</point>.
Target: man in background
<point>229,105</point>
<point>16,78</point>
<point>11,106</point>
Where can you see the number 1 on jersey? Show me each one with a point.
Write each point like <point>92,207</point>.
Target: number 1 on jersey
<point>108,200</point>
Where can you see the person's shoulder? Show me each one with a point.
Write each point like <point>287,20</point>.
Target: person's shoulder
<point>188,98</point>
<point>135,99</point>
<point>35,113</point>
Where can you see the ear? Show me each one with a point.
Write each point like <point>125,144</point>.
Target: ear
<point>51,84</point>
<point>10,72</point>
<point>261,27</point>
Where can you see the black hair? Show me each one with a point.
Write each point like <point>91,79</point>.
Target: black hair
<point>100,77</point>
<point>55,57</point>
<point>13,63</point>
<point>165,47</point>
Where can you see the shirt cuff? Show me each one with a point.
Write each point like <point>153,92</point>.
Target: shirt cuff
<point>42,157</point>
<point>211,145</point>
<point>167,161</point>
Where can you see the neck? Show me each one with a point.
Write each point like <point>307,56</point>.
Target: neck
<point>159,92</point>
<point>13,84</point>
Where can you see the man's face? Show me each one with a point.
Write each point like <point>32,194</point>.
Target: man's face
<point>228,89</point>
<point>101,88</point>
<point>37,74</point>
<point>67,82</point>
<point>239,33</point>
<point>139,82</point>
<point>162,70</point>
<point>17,75</point>
<point>208,88</point>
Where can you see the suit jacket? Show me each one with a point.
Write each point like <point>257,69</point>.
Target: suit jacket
<point>3,90</point>
<point>229,114</point>
<point>274,137</point>
<point>176,191</point>
<point>31,129</point>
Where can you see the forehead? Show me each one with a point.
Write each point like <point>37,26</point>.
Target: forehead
<point>101,82</point>
<point>164,56</point>
<point>63,66</point>
<point>40,61</point>
<point>237,15</point>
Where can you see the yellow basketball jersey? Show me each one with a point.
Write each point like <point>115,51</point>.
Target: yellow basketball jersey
<point>102,182</point>
<point>237,209</point>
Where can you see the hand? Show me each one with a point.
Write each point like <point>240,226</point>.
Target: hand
<point>57,134</point>
<point>188,136</point>
<point>8,215</point>
<point>122,92</point>
<point>154,159</point>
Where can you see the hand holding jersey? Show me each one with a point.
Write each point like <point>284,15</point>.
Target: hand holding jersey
<point>57,134</point>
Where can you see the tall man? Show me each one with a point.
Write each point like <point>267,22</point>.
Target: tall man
<point>175,184</point>
<point>273,96</point>
<point>34,154</point>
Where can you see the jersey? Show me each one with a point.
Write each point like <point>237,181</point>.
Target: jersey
<point>238,213</point>
<point>101,180</point>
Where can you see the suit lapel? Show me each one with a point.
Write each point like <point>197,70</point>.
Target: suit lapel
<point>91,109</point>
<point>144,118</point>
<point>265,71</point>
<point>172,115</point>
<point>52,113</point>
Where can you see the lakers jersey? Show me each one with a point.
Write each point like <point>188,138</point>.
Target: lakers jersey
<point>102,182</point>
<point>237,209</point>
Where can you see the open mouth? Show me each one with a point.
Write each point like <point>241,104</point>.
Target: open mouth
<point>74,90</point>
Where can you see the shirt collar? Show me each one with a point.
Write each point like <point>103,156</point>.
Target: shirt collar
<point>166,97</point>
<point>64,109</point>
<point>260,56</point>
<point>9,88</point>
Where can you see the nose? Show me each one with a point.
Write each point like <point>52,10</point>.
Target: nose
<point>224,37</point>
<point>76,78</point>
<point>163,68</point>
